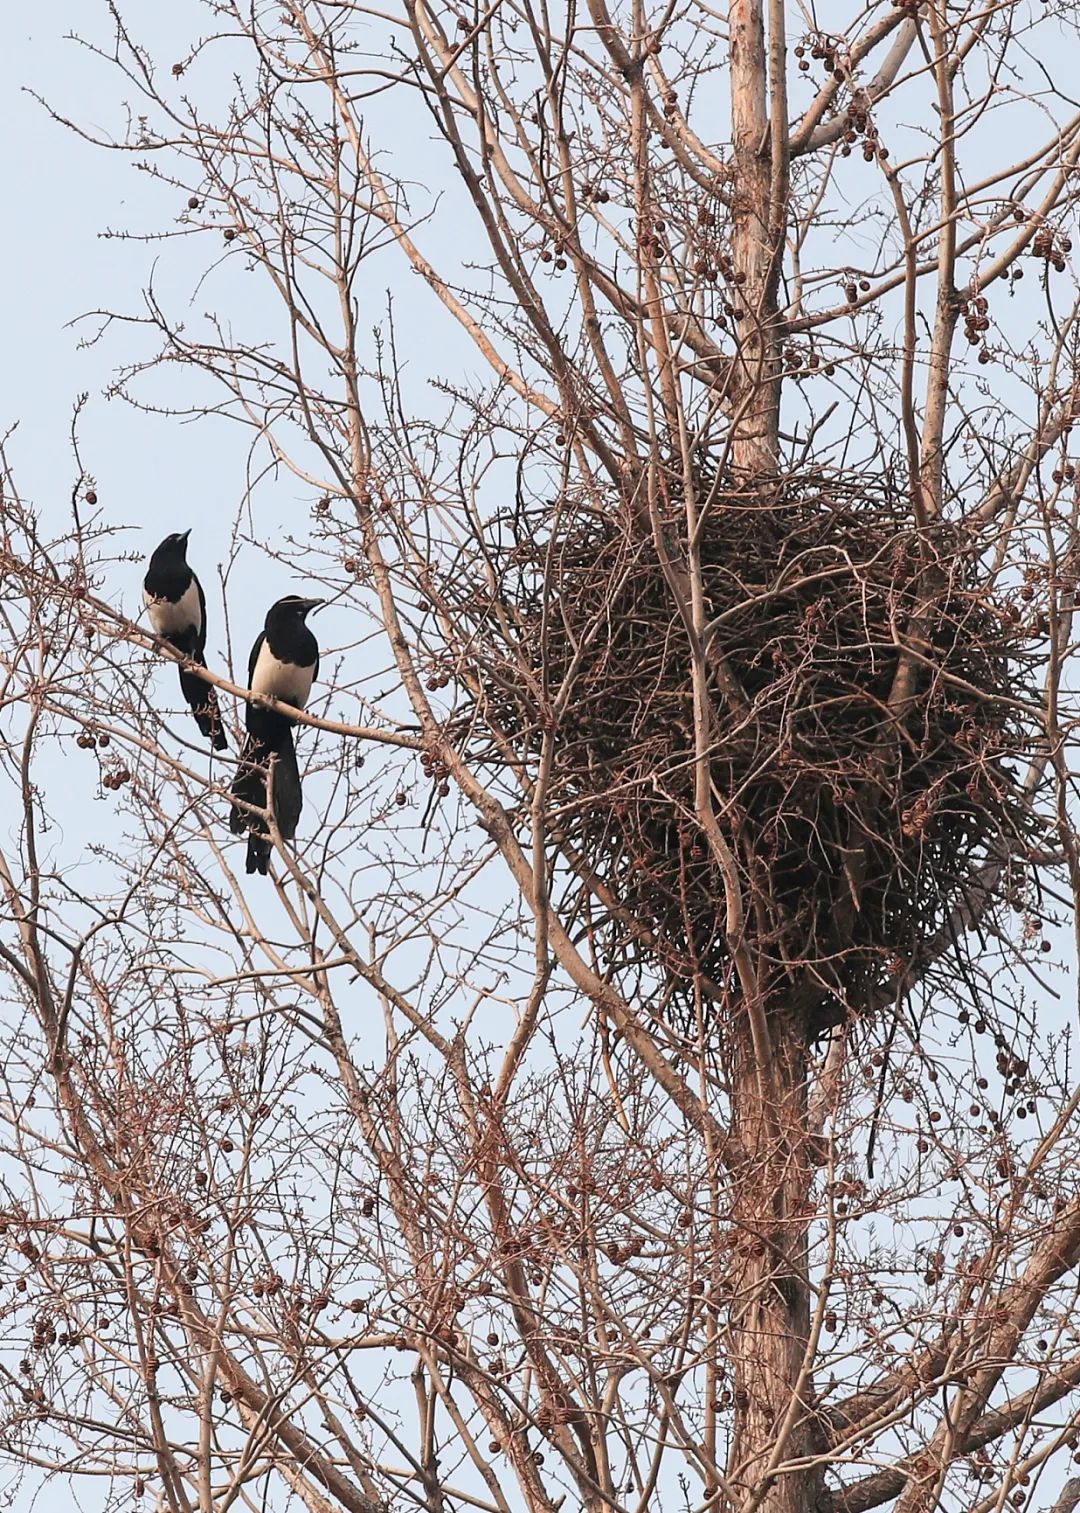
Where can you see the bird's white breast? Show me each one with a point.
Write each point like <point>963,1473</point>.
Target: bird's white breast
<point>172,619</point>
<point>281,680</point>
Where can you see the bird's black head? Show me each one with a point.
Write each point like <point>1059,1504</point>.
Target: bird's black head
<point>291,609</point>
<point>174,547</point>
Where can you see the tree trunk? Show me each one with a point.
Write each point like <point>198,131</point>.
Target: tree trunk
<point>769,1320</point>
<point>759,215</point>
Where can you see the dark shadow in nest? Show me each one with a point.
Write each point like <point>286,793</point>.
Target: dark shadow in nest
<point>855,822</point>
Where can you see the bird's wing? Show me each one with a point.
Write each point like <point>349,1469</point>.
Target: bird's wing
<point>200,634</point>
<point>255,650</point>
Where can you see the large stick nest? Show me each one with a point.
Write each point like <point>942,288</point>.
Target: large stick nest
<point>856,802</point>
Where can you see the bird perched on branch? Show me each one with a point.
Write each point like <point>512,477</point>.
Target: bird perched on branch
<point>176,605</point>
<point>284,663</point>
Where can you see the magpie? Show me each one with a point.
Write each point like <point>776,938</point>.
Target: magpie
<point>284,663</point>
<point>176,605</point>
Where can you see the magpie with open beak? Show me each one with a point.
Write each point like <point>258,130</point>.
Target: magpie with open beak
<point>283,665</point>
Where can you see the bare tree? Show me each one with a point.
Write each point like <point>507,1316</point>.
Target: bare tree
<point>638,1088</point>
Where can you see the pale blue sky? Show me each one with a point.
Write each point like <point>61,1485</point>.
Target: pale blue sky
<point>59,195</point>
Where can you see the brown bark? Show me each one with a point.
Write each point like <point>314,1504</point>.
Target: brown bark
<point>770,1309</point>
<point>757,238</point>
<point>770,1320</point>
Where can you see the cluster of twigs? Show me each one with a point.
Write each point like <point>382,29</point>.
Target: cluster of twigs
<point>868,723</point>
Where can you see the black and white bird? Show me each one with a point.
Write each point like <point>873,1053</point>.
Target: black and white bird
<point>284,663</point>
<point>176,605</point>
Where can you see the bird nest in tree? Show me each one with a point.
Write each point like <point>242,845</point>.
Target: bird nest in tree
<point>867,713</point>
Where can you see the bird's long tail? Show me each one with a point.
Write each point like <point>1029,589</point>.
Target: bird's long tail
<point>285,790</point>
<point>202,697</point>
<point>257,759</point>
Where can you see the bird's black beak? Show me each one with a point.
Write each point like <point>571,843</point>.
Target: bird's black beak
<point>185,534</point>
<point>310,604</point>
